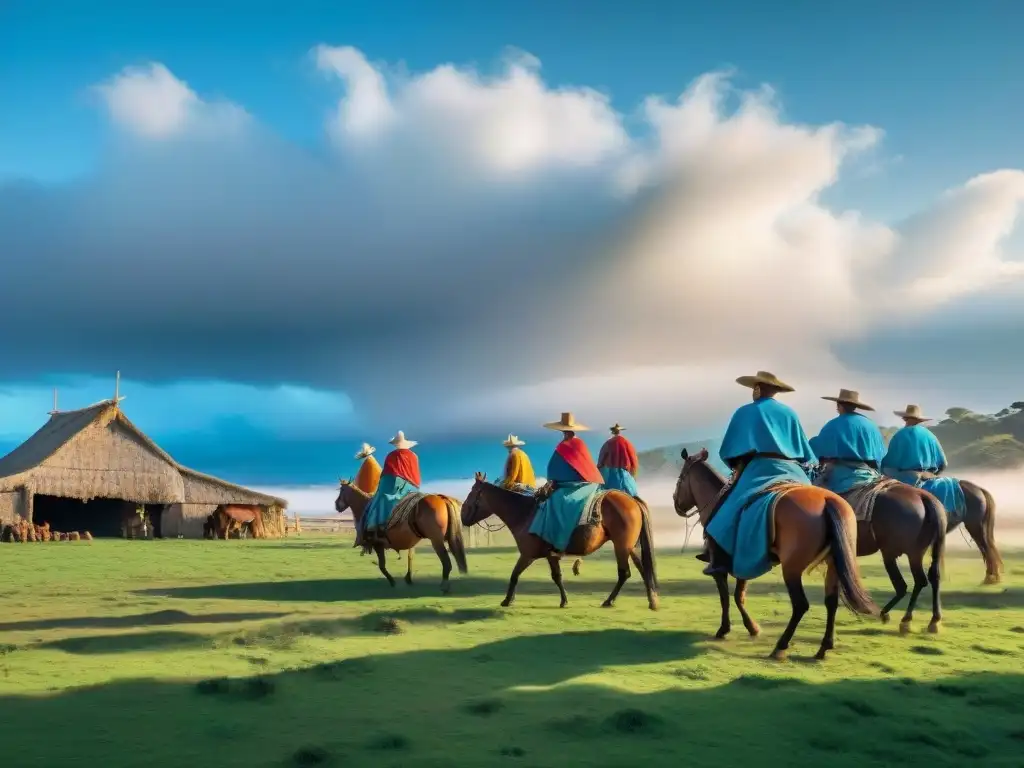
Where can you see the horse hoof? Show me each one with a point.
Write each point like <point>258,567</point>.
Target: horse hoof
<point>904,627</point>
<point>653,605</point>
<point>754,631</point>
<point>884,617</point>
<point>607,604</point>
<point>563,604</point>
<point>722,634</point>
<point>934,627</point>
<point>990,579</point>
<point>777,655</point>
<point>820,655</point>
<point>506,603</point>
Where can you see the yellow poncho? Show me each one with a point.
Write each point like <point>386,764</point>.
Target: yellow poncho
<point>368,476</point>
<point>518,470</point>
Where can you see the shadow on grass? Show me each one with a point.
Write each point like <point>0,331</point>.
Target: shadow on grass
<point>282,635</point>
<point>155,619</point>
<point>521,701</point>
<point>430,697</point>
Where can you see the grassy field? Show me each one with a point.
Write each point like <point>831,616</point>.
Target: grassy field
<point>296,653</point>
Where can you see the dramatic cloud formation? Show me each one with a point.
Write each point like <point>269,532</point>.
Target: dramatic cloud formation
<point>484,251</point>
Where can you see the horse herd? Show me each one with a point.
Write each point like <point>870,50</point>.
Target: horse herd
<point>811,526</point>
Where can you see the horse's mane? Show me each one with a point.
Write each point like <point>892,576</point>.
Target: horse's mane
<point>694,461</point>
<point>357,489</point>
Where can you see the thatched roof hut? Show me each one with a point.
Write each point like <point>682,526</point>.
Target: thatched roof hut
<point>82,467</point>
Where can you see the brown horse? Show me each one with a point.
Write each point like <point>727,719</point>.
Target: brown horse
<point>431,520</point>
<point>980,522</point>
<point>906,521</point>
<point>811,525</point>
<point>624,521</point>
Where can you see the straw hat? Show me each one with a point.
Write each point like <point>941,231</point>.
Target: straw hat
<point>512,441</point>
<point>616,427</point>
<point>567,424</point>
<point>912,412</point>
<point>399,441</point>
<point>365,451</point>
<point>765,378</point>
<point>850,397</point>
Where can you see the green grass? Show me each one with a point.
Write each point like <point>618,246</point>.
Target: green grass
<point>297,653</point>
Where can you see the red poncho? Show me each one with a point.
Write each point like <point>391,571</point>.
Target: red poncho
<point>577,456</point>
<point>618,452</point>
<point>403,463</point>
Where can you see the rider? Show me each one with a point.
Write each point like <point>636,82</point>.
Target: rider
<point>618,463</point>
<point>399,477</point>
<point>764,444</point>
<point>518,468</point>
<point>915,457</point>
<point>367,479</point>
<point>573,479</point>
<point>850,447</point>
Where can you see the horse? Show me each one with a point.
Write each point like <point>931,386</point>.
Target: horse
<point>907,521</point>
<point>435,518</point>
<point>624,521</point>
<point>980,522</point>
<point>229,520</point>
<point>812,525</point>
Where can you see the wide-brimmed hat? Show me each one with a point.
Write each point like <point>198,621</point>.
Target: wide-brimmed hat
<point>616,427</point>
<point>849,397</point>
<point>567,424</point>
<point>365,451</point>
<point>765,378</point>
<point>513,441</point>
<point>399,441</point>
<point>912,412</point>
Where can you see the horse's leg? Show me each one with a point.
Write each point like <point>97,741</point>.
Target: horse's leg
<point>828,641</point>
<point>556,576</point>
<point>408,572</point>
<point>740,596</point>
<point>920,582</point>
<point>576,566</point>
<point>722,582</point>
<point>437,542</point>
<point>934,577</point>
<point>522,564</point>
<point>898,583</point>
<point>793,578</point>
<point>976,527</point>
<point>622,561</point>
<point>378,547</point>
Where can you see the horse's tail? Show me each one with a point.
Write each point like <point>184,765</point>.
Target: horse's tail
<point>647,559</point>
<point>993,560</point>
<point>453,533</point>
<point>842,537</point>
<point>934,530</point>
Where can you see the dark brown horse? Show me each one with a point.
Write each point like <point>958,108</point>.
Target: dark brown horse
<point>435,518</point>
<point>906,521</point>
<point>624,521</point>
<point>811,525</point>
<point>980,522</point>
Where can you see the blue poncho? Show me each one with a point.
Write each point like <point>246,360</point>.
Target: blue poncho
<point>915,449</point>
<point>559,515</point>
<point>741,526</point>
<point>619,479</point>
<point>848,441</point>
<point>391,490</point>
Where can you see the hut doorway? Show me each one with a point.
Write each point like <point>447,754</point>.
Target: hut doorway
<point>101,517</point>
<point>155,513</point>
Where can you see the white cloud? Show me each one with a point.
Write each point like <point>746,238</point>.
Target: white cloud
<point>492,249</point>
<point>151,102</point>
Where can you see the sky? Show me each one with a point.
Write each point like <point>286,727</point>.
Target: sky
<point>294,227</point>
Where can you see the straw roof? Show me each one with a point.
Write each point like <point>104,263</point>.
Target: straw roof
<point>97,452</point>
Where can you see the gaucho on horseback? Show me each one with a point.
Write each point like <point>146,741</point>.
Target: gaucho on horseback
<point>850,446</point>
<point>572,480</point>
<point>518,467</point>
<point>764,445</point>
<point>399,477</point>
<point>618,462</point>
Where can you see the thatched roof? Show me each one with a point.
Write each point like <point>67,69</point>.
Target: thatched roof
<point>97,452</point>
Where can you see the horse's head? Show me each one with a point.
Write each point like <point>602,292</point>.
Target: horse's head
<point>341,503</point>
<point>683,497</point>
<point>472,512</point>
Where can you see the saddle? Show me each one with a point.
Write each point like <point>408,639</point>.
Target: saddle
<point>863,497</point>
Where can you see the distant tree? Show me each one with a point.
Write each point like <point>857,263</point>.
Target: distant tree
<point>1019,405</point>
<point>957,413</point>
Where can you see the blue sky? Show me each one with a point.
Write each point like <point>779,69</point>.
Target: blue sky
<point>940,85</point>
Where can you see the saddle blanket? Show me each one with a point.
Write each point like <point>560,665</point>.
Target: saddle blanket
<point>862,497</point>
<point>569,506</point>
